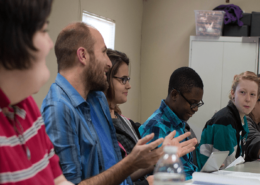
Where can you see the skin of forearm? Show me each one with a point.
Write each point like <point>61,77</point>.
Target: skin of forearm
<point>61,180</point>
<point>141,172</point>
<point>114,175</point>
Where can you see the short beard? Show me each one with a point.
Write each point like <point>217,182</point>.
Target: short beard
<point>94,76</point>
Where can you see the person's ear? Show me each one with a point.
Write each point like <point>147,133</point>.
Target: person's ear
<point>232,94</point>
<point>174,94</point>
<point>82,56</point>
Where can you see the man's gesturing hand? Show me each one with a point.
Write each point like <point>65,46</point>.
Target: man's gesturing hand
<point>143,155</point>
<point>184,147</point>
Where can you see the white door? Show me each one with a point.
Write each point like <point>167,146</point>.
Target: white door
<point>217,61</point>
<point>237,58</point>
<point>206,60</point>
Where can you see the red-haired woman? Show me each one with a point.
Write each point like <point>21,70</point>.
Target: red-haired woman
<point>227,130</point>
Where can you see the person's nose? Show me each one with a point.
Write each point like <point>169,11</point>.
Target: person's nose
<point>195,109</point>
<point>50,42</point>
<point>248,98</point>
<point>127,85</point>
<point>109,63</point>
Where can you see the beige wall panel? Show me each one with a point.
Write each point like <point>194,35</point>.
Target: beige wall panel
<point>167,26</point>
<point>128,17</point>
<point>63,12</point>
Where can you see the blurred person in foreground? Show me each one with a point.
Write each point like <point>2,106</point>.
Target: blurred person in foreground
<point>27,154</point>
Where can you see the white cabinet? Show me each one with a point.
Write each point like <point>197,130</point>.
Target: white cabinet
<point>217,60</point>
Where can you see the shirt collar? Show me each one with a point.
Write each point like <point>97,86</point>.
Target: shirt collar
<point>75,98</point>
<point>167,112</point>
<point>235,111</point>
<point>5,102</point>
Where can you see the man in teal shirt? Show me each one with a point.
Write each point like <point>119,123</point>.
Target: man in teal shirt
<point>184,97</point>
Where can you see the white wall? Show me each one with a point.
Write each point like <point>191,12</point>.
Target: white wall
<point>128,17</point>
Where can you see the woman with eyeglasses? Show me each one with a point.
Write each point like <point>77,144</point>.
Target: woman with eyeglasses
<point>126,129</point>
<point>253,138</point>
<point>227,130</point>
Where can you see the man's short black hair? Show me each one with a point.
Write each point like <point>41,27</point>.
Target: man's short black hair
<point>184,79</point>
<point>19,21</point>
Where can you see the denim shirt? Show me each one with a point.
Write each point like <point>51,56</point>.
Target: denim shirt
<point>68,123</point>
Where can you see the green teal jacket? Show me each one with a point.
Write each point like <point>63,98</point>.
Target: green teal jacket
<point>223,132</point>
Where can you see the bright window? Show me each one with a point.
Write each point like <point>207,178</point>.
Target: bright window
<point>104,25</point>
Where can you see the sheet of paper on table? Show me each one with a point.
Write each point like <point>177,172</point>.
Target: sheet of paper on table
<point>239,160</point>
<point>225,178</point>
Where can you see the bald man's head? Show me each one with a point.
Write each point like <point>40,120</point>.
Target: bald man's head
<point>69,40</point>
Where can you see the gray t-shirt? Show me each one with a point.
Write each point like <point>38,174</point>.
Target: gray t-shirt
<point>119,122</point>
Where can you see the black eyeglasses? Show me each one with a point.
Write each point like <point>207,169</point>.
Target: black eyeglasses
<point>192,105</point>
<point>123,79</point>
